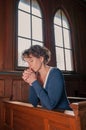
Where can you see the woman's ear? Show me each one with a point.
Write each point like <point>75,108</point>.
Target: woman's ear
<point>42,59</point>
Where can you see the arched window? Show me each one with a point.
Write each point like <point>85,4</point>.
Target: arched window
<point>29,27</point>
<point>63,44</point>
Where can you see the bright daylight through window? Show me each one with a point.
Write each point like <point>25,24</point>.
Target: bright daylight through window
<point>63,45</point>
<point>29,27</point>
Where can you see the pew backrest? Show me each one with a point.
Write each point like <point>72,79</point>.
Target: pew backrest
<point>23,116</point>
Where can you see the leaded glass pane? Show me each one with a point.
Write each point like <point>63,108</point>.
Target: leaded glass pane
<point>22,45</point>
<point>36,9</point>
<point>67,41</point>
<point>37,28</point>
<point>69,62</point>
<point>65,21</point>
<point>24,24</point>
<point>24,5</point>
<point>57,18</point>
<point>58,36</point>
<point>60,58</point>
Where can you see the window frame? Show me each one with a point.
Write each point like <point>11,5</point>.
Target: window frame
<point>71,38</point>
<point>20,68</point>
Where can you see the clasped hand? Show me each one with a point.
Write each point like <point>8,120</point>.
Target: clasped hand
<point>29,76</point>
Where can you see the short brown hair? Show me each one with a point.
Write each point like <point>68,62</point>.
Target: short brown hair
<point>37,51</point>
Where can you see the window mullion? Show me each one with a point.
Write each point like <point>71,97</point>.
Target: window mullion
<point>63,41</point>
<point>31,18</point>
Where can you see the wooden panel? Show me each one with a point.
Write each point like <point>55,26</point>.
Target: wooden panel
<point>16,90</point>
<point>75,85</point>
<point>1,88</point>
<point>8,87</point>
<point>2,33</point>
<point>2,112</point>
<point>21,121</point>
<point>24,91</point>
<point>8,116</point>
<point>12,86</point>
<point>60,126</point>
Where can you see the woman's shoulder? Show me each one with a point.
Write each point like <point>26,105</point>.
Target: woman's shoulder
<point>55,71</point>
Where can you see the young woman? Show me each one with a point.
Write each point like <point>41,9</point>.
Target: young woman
<point>47,85</point>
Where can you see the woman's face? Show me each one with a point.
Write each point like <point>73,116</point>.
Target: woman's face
<point>33,62</point>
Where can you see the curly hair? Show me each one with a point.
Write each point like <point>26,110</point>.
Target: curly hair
<point>37,51</point>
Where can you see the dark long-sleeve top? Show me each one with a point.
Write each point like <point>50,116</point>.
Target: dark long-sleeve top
<point>53,96</point>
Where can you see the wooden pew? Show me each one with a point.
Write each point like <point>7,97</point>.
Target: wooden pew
<point>23,116</point>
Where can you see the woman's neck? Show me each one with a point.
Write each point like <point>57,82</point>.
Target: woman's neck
<point>43,73</point>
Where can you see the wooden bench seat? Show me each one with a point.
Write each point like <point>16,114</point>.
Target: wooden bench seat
<point>23,116</point>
